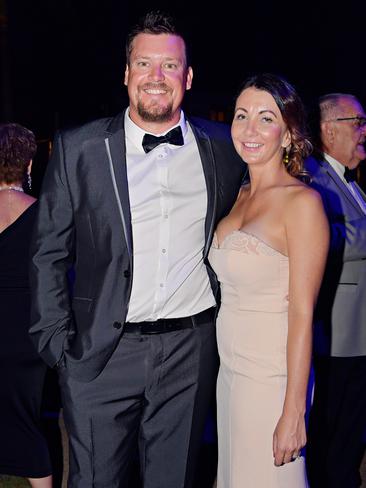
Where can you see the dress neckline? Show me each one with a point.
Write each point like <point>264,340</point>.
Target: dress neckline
<point>18,219</point>
<point>242,231</point>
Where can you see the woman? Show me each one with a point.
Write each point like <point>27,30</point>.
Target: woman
<point>269,254</point>
<point>23,450</point>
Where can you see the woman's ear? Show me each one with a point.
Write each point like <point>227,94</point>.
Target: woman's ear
<point>286,140</point>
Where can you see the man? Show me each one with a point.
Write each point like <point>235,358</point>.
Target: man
<point>134,214</point>
<point>338,416</point>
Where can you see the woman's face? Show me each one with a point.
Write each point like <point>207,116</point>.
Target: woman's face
<point>258,130</point>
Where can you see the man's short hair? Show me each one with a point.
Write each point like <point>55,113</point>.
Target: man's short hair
<point>325,109</point>
<point>154,22</point>
<point>329,104</point>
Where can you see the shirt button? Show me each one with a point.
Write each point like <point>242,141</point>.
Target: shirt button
<point>161,285</point>
<point>163,251</point>
<point>117,325</point>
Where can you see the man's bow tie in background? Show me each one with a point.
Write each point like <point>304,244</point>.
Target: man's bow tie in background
<point>174,136</point>
<point>349,174</point>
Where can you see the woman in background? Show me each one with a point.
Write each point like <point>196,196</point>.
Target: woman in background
<point>269,254</point>
<point>23,449</point>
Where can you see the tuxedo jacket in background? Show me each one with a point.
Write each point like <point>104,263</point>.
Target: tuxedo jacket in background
<point>340,317</point>
<point>84,225</point>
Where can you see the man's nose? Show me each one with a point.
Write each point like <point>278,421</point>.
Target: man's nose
<point>156,73</point>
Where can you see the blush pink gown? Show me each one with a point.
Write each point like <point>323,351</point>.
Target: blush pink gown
<point>252,337</point>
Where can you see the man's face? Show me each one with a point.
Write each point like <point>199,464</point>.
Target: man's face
<point>347,139</point>
<point>156,79</point>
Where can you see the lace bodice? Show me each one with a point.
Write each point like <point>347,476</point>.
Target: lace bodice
<point>245,242</point>
<point>253,275</point>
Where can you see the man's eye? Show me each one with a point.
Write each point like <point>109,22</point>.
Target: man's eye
<point>170,66</point>
<point>142,64</point>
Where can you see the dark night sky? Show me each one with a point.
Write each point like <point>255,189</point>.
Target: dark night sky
<point>67,56</point>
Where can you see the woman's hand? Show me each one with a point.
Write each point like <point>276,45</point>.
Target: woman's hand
<point>289,438</point>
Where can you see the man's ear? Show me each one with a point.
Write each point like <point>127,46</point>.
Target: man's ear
<point>327,133</point>
<point>127,72</point>
<point>189,78</point>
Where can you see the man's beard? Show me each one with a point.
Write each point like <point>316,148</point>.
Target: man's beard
<point>155,113</point>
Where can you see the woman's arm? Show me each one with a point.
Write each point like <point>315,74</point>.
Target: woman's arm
<point>307,236</point>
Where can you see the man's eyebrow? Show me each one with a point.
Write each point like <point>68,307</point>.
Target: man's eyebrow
<point>168,58</point>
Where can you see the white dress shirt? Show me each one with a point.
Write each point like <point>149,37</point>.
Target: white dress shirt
<point>168,200</point>
<point>352,187</point>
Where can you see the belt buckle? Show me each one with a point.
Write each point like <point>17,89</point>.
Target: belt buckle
<point>148,329</point>
<point>169,326</point>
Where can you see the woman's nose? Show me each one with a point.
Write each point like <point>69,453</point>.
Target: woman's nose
<point>250,127</point>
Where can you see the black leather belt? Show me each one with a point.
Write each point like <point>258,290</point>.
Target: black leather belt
<point>162,326</point>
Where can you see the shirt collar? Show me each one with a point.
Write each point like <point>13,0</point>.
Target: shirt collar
<point>135,134</point>
<point>338,167</point>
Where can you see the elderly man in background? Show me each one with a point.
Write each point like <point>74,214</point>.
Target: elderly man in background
<point>338,416</point>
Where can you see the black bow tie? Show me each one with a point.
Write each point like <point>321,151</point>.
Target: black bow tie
<point>349,174</point>
<point>174,136</point>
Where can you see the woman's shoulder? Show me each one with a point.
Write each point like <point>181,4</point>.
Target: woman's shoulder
<point>301,193</point>
<point>22,202</point>
<point>302,202</point>
<point>291,189</point>
<point>20,207</point>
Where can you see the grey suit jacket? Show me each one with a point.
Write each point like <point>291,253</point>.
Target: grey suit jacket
<point>340,317</point>
<point>84,228</point>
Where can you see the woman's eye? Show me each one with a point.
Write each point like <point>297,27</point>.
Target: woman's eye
<point>240,117</point>
<point>267,119</point>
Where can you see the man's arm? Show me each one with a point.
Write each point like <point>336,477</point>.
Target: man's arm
<point>351,237</point>
<point>52,250</point>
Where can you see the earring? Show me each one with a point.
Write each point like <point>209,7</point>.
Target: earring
<point>286,158</point>
<point>29,181</point>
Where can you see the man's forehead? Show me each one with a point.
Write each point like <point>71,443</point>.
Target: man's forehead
<point>351,107</point>
<point>158,42</point>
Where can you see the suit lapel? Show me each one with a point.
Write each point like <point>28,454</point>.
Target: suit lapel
<point>342,187</point>
<point>209,169</point>
<point>361,192</point>
<point>116,151</point>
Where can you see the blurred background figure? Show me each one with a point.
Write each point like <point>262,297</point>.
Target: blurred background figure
<point>23,449</point>
<point>338,416</point>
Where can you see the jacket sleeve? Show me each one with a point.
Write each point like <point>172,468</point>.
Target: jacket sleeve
<point>52,250</point>
<point>349,236</point>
